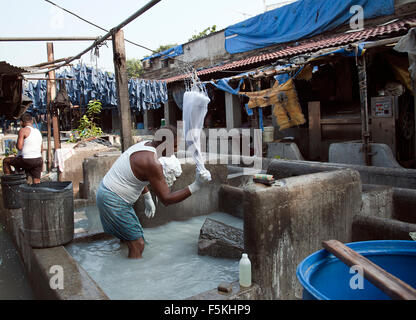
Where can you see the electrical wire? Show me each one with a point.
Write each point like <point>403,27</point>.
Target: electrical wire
<point>103,29</point>
<point>136,44</point>
<point>95,25</point>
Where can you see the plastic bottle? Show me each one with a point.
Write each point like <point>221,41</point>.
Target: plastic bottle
<point>245,271</point>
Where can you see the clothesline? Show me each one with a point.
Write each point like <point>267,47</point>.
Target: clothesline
<point>84,83</point>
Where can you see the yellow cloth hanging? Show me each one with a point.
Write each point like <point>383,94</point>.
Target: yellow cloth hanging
<point>285,100</point>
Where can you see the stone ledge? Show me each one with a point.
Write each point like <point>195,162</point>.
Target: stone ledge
<point>237,293</point>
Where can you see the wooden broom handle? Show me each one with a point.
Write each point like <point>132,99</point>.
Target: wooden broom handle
<point>389,284</point>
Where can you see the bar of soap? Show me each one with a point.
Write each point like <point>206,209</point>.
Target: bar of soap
<point>225,287</point>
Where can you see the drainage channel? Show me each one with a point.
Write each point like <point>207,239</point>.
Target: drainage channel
<point>14,284</point>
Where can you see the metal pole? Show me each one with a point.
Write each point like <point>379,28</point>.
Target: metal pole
<point>28,39</point>
<point>45,64</point>
<point>28,79</point>
<point>362,78</point>
<point>112,31</point>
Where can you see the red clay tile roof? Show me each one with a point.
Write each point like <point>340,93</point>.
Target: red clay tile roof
<point>310,46</point>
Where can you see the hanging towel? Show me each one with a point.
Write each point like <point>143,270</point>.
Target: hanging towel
<point>60,156</point>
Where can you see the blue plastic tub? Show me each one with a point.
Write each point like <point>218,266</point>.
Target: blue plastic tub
<point>325,277</point>
<point>140,126</point>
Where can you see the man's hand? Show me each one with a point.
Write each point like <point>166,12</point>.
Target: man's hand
<point>201,178</point>
<point>150,207</point>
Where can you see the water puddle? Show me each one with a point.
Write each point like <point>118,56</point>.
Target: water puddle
<point>170,267</point>
<point>14,285</point>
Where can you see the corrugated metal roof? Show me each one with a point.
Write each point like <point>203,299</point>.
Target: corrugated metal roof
<point>309,46</point>
<point>6,68</point>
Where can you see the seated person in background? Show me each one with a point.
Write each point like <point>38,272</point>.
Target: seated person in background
<point>29,146</point>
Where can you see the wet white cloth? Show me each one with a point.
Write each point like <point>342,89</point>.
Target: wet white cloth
<point>200,180</point>
<point>195,108</point>
<point>171,169</point>
<point>61,155</point>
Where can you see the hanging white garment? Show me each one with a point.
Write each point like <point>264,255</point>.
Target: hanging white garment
<point>195,108</point>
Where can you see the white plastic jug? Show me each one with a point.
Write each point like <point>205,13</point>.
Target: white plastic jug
<point>245,271</point>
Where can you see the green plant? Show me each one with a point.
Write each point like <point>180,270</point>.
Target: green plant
<point>87,127</point>
<point>10,152</point>
<point>204,33</point>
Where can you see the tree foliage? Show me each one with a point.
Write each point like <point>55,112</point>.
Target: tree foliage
<point>134,68</point>
<point>204,33</point>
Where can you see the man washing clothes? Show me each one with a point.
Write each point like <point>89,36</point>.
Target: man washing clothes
<point>29,146</point>
<point>127,179</point>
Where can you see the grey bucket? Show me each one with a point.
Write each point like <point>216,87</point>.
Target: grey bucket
<point>10,187</point>
<point>48,214</point>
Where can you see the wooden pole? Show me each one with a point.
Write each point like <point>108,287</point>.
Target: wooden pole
<point>51,93</point>
<point>53,111</point>
<point>123,102</point>
<point>389,284</point>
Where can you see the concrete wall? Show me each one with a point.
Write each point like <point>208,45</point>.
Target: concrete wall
<point>377,201</point>
<point>366,228</point>
<point>210,49</point>
<point>286,223</point>
<point>283,150</point>
<point>350,153</point>
<point>73,166</point>
<point>199,53</point>
<point>204,202</point>
<point>94,169</point>
<point>399,178</point>
<point>404,202</point>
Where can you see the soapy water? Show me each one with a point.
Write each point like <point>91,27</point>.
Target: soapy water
<point>14,284</point>
<point>170,268</point>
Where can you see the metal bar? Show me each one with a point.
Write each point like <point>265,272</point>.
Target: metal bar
<point>362,78</point>
<point>28,39</point>
<point>135,15</point>
<point>112,31</point>
<point>47,63</point>
<point>97,26</point>
<point>56,79</point>
<point>383,42</point>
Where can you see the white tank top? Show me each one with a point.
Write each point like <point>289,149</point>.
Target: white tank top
<point>32,144</point>
<point>121,179</point>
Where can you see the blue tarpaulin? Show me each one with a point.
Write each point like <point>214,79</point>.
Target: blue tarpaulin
<point>169,53</point>
<point>299,20</point>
